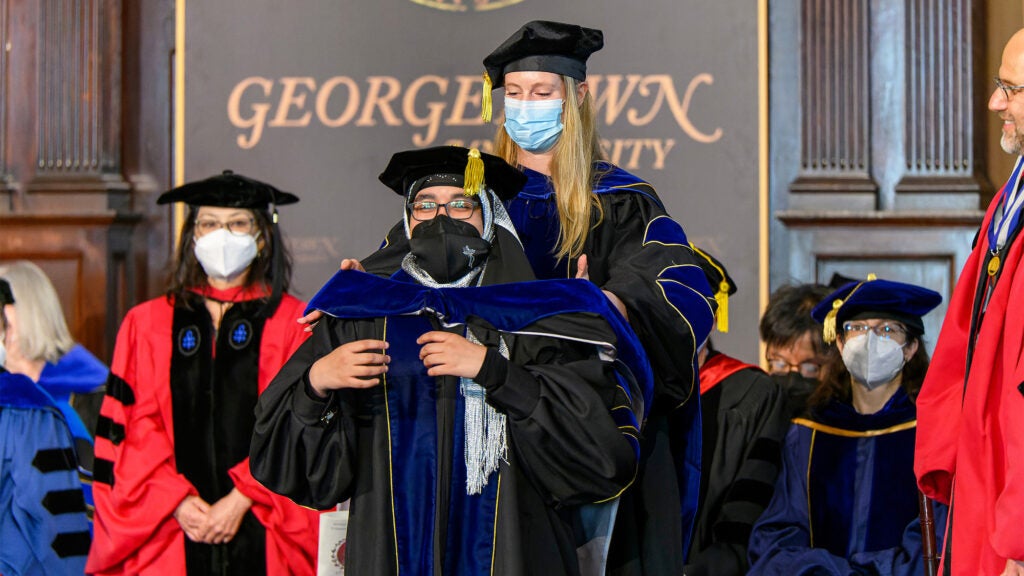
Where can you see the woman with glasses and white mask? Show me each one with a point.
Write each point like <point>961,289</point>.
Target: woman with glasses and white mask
<point>174,494</point>
<point>847,500</point>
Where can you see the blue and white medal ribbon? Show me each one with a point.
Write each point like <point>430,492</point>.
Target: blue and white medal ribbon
<point>1000,231</point>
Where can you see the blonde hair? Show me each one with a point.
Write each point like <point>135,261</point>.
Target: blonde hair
<point>42,331</point>
<point>572,169</point>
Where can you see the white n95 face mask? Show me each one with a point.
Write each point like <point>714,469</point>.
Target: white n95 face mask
<point>873,360</point>
<point>224,255</point>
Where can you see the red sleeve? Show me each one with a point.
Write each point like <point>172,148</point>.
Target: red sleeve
<point>282,336</point>
<point>939,404</point>
<point>137,486</point>
<point>1009,506</point>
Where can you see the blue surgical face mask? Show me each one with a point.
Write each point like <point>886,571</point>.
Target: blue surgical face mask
<point>534,125</point>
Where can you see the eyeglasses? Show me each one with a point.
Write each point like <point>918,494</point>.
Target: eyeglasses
<point>236,226</point>
<point>806,369</point>
<point>886,330</point>
<point>456,209</point>
<point>1008,90</point>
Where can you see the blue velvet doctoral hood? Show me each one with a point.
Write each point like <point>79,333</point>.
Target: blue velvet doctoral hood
<point>508,307</point>
<point>77,372</point>
<point>611,179</point>
<point>19,391</point>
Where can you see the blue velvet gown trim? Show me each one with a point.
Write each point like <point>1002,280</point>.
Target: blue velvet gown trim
<point>862,488</point>
<point>412,405</point>
<point>471,515</point>
<point>77,372</point>
<point>36,475</point>
<point>19,391</point>
<point>413,402</point>
<point>508,307</point>
<point>534,214</point>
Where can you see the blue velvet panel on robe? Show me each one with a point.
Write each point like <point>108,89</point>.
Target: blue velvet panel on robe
<point>413,399</point>
<point>534,214</point>
<point>862,488</point>
<point>43,523</point>
<point>508,307</point>
<point>846,502</point>
<point>77,372</point>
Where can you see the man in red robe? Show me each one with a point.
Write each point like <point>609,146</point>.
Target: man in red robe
<point>970,440</point>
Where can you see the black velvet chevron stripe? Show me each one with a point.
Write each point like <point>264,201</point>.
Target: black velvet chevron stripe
<point>119,390</point>
<point>767,450</point>
<point>103,472</point>
<point>753,491</point>
<point>54,460</point>
<point>733,532</point>
<point>64,501</point>
<point>71,544</point>
<point>107,428</point>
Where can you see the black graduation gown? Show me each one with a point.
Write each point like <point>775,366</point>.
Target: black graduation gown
<point>744,424</point>
<point>397,449</point>
<point>642,256</point>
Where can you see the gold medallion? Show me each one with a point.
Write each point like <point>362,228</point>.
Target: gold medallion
<point>993,266</point>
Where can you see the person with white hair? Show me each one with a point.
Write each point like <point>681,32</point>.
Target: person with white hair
<point>43,523</point>
<point>40,346</point>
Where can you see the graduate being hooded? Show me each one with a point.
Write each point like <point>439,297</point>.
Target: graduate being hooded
<point>454,217</point>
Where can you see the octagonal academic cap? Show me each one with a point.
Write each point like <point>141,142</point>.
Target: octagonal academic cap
<point>541,46</point>
<point>876,298</point>
<point>720,282</point>
<point>412,170</point>
<point>228,190</point>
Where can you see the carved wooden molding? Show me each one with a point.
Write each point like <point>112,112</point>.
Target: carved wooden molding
<point>78,70</point>
<point>939,131</point>
<point>902,218</point>
<point>834,97</point>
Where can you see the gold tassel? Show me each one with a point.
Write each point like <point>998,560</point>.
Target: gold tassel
<point>473,182</point>
<point>485,105</point>
<point>722,297</point>
<point>828,332</point>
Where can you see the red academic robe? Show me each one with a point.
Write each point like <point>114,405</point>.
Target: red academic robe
<point>970,444</point>
<point>136,496</point>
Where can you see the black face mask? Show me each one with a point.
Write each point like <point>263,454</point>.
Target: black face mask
<point>447,249</point>
<point>798,389</point>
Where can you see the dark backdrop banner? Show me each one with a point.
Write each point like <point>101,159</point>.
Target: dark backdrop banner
<point>315,95</point>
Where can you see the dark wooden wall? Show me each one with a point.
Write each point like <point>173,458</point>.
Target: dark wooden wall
<point>84,146</point>
<point>877,116</point>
